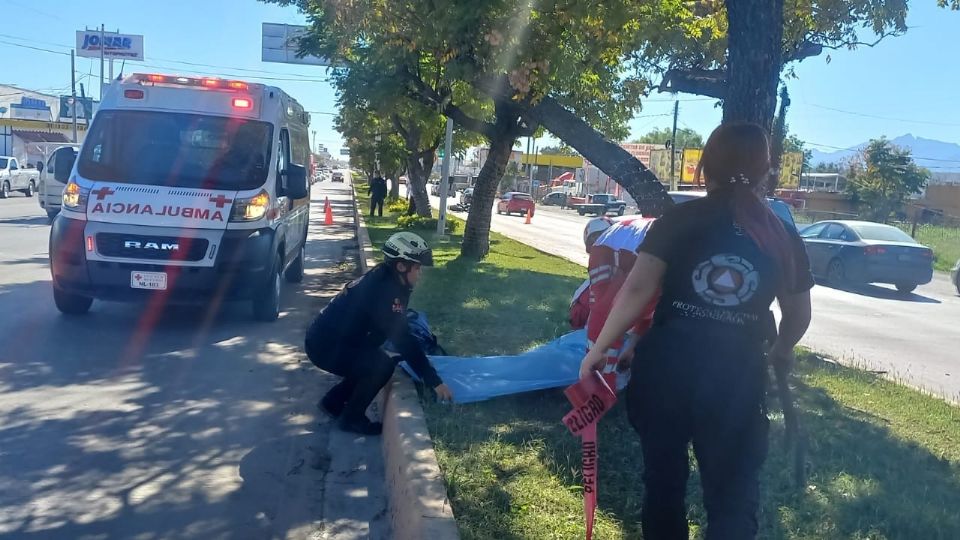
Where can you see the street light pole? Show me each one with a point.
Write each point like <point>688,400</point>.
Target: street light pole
<point>445,178</point>
<point>73,90</point>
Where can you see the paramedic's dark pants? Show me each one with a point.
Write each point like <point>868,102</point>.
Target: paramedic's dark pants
<point>365,371</point>
<point>711,394</point>
<point>376,203</point>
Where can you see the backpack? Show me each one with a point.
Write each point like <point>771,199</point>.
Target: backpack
<point>420,330</point>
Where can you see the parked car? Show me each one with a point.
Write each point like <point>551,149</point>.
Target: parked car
<point>515,202</point>
<point>556,198</point>
<point>466,197</point>
<point>955,276</point>
<point>13,177</point>
<point>859,252</point>
<point>337,176</point>
<point>49,190</point>
<point>601,204</point>
<point>780,208</point>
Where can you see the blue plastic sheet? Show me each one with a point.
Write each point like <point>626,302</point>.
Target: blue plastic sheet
<point>477,378</point>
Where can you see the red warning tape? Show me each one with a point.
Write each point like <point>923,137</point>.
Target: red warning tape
<point>591,399</point>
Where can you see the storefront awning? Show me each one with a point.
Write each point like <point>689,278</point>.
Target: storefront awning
<point>40,136</point>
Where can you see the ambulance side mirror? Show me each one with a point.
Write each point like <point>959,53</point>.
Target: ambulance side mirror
<point>297,186</point>
<point>63,164</point>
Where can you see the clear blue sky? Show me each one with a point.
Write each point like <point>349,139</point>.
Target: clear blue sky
<point>912,81</point>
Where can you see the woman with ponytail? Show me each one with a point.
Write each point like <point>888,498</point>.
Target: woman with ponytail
<point>699,373</point>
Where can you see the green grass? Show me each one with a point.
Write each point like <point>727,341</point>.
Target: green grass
<point>945,243</point>
<point>883,458</point>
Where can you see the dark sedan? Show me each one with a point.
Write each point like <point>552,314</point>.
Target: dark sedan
<point>852,252</point>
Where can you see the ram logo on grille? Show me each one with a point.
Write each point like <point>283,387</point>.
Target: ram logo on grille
<point>158,246</point>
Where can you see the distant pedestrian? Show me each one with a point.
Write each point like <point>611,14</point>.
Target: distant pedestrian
<point>699,372</point>
<point>378,193</point>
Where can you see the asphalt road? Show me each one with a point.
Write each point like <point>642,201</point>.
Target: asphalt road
<point>913,338</point>
<point>133,422</point>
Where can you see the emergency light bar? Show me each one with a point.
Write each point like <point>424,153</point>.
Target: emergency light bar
<point>202,82</point>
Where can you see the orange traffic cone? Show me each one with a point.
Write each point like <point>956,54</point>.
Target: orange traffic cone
<point>328,214</point>
<point>529,216</point>
<point>326,205</point>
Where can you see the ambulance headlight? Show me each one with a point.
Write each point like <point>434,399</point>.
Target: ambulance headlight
<point>75,197</point>
<point>251,209</point>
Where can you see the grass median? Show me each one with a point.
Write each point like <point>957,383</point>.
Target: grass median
<point>883,458</point>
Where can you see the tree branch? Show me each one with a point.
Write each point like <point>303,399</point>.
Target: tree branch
<point>431,98</point>
<point>704,82</point>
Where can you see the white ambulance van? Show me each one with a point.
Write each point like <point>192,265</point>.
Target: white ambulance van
<point>186,190</point>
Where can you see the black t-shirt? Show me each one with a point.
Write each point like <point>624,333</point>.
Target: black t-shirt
<point>366,313</point>
<point>716,274</point>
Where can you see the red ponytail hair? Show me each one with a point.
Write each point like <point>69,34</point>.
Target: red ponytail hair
<point>736,164</point>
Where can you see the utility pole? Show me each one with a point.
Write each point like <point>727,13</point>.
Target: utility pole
<point>101,63</point>
<point>673,147</point>
<point>73,90</point>
<point>445,178</point>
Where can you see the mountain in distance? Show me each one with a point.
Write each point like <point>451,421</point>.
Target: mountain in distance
<point>938,156</point>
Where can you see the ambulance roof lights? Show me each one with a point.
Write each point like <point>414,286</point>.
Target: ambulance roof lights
<point>203,82</point>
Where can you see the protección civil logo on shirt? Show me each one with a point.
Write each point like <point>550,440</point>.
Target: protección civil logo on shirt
<point>726,280</point>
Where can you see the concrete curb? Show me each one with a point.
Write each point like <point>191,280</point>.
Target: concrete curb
<point>419,507</point>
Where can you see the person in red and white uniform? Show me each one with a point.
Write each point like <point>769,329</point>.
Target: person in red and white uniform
<point>580,304</point>
<point>611,258</point>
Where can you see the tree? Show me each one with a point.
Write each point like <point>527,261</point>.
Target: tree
<point>737,50</point>
<point>561,150</point>
<point>882,177</point>
<point>487,63</point>
<point>827,168</point>
<point>686,137</point>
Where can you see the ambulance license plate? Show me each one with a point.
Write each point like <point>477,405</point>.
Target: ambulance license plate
<point>156,281</point>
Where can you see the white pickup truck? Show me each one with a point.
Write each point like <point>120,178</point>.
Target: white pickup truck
<point>14,178</point>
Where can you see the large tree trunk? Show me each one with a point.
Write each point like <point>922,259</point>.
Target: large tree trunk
<point>754,60</point>
<point>395,185</point>
<point>476,234</point>
<point>417,184</point>
<point>777,137</point>
<point>608,156</point>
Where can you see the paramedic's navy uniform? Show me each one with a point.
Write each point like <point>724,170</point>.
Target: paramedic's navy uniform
<point>346,337</point>
<point>699,373</point>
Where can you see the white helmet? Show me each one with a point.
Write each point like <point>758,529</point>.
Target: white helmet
<point>407,246</point>
<point>595,226</point>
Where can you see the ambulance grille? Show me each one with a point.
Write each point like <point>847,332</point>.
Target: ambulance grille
<point>134,246</point>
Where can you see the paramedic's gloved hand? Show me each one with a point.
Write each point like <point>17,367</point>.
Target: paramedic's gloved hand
<point>593,361</point>
<point>443,392</point>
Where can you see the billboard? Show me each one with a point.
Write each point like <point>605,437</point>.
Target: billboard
<point>660,164</point>
<point>691,159</point>
<point>791,165</point>
<point>280,44</point>
<point>122,46</point>
<point>31,109</point>
<point>84,107</point>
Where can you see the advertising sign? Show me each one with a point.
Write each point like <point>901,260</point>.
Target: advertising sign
<point>280,44</point>
<point>791,164</point>
<point>84,106</point>
<point>122,46</point>
<point>30,109</point>
<point>691,158</point>
<point>660,164</point>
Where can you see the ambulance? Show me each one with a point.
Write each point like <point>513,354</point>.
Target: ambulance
<point>185,190</point>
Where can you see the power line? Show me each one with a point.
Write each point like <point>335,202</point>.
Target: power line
<point>878,117</point>
<point>33,48</point>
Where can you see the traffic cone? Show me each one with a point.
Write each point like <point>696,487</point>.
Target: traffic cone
<point>328,214</point>
<point>529,216</point>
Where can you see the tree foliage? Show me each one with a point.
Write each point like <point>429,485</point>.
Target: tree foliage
<point>560,150</point>
<point>686,137</point>
<point>882,177</point>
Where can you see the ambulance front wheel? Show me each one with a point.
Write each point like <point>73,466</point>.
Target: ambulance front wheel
<point>71,304</point>
<point>266,303</point>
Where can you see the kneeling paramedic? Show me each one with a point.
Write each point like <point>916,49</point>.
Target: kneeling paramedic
<point>346,338</point>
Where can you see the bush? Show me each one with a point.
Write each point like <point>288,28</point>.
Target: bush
<point>396,205</point>
<point>416,222</point>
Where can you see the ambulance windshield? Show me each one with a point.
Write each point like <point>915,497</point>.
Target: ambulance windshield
<point>177,149</point>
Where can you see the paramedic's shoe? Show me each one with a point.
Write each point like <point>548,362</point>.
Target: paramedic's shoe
<point>361,427</point>
<point>331,407</point>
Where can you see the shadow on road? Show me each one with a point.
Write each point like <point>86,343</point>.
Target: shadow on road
<point>882,293</point>
<point>147,421</point>
<point>36,221</point>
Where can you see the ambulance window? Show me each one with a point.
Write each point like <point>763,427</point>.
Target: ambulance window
<point>284,158</point>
